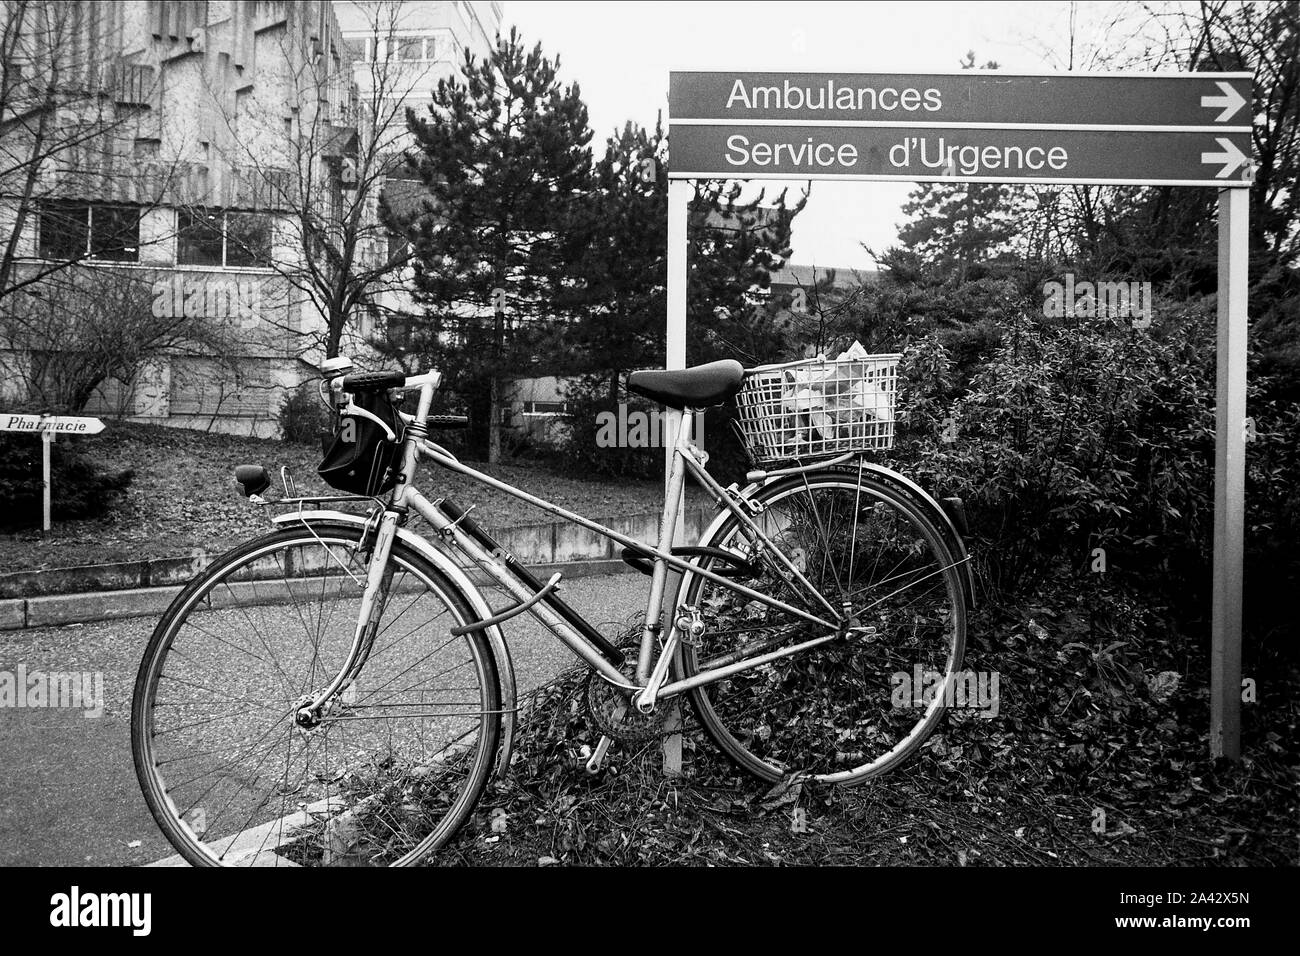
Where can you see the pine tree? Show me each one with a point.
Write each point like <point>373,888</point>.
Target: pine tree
<point>953,226</point>
<point>503,155</point>
<point>734,248</point>
<point>623,266</point>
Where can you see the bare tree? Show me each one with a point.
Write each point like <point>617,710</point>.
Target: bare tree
<point>69,103</point>
<point>86,327</point>
<point>1264,38</point>
<point>327,178</point>
<point>1209,35</point>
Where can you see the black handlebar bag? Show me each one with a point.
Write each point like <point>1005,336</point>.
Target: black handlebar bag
<point>364,454</point>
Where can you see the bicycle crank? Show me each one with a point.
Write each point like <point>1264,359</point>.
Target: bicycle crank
<point>614,715</point>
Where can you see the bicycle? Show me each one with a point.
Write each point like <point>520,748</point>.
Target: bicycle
<point>338,691</point>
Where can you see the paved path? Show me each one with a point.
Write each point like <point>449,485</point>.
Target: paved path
<point>68,793</point>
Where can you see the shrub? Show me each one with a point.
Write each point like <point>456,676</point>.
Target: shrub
<point>81,489</point>
<point>1072,436</point>
<point>582,450</point>
<point>582,447</point>
<point>303,416</point>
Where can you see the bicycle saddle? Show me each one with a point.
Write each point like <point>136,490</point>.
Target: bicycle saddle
<point>697,387</point>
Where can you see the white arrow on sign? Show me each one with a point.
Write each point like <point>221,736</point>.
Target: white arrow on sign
<point>56,424</point>
<point>1231,157</point>
<point>1231,101</point>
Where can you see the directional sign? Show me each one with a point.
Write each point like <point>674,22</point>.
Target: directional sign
<point>55,424</point>
<point>975,97</point>
<point>49,426</point>
<point>1187,129</point>
<point>1229,99</point>
<point>981,155</point>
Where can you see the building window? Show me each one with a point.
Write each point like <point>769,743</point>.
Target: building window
<point>545,409</point>
<point>248,239</point>
<point>78,230</point>
<point>220,239</point>
<point>198,238</point>
<point>242,388</point>
<point>436,46</point>
<point>408,48</point>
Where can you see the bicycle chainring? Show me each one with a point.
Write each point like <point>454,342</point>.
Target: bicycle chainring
<point>614,714</point>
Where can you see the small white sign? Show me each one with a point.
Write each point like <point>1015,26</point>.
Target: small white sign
<point>48,427</point>
<point>57,424</point>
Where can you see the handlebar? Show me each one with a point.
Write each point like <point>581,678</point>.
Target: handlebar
<point>337,375</point>
<point>340,382</point>
<point>373,381</point>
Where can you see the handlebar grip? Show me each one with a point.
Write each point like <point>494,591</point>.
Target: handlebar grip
<point>373,381</point>
<point>447,421</point>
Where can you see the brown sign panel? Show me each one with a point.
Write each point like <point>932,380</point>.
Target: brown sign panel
<point>994,98</point>
<point>922,153</point>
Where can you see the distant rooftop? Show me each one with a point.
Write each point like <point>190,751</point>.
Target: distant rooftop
<point>796,276</point>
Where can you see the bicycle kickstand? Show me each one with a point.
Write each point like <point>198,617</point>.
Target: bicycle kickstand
<point>597,758</point>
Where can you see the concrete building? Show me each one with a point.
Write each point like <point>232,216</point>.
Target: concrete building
<point>197,134</point>
<point>401,51</point>
<point>192,118</point>
<point>791,277</point>
<point>427,40</point>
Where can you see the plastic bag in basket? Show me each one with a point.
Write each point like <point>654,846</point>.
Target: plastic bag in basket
<point>835,402</point>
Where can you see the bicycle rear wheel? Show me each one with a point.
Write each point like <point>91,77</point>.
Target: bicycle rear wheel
<point>849,709</point>
<point>401,754</point>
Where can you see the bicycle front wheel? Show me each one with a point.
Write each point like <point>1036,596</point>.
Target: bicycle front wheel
<point>854,707</point>
<point>398,758</point>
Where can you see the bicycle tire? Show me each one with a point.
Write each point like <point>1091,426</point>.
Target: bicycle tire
<point>204,849</point>
<point>741,744</point>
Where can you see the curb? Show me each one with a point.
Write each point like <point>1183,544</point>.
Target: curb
<point>57,610</point>
<point>99,592</point>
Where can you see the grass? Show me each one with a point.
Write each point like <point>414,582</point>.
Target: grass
<point>184,498</point>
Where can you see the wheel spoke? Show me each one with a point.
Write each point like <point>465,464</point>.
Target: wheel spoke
<point>830,710</point>
<point>385,775</point>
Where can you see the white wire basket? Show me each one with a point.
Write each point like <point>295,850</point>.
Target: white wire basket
<point>818,408</point>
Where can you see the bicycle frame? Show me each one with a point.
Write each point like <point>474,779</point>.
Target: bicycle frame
<point>651,669</point>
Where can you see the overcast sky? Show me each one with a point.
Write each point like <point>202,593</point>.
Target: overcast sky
<point>620,54</point>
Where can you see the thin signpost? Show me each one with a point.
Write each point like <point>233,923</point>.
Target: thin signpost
<point>48,426</point>
<point>1136,129</point>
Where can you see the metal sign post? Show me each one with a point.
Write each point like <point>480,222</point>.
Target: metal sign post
<point>679,200</point>
<point>47,439</point>
<point>49,426</point>
<point>1138,129</point>
<point>1229,477</point>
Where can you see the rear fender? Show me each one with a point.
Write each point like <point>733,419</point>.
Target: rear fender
<point>941,519</point>
<point>905,486</point>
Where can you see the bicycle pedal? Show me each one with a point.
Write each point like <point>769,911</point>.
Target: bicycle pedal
<point>598,758</point>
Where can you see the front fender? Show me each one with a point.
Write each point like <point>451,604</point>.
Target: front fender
<point>457,575</point>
